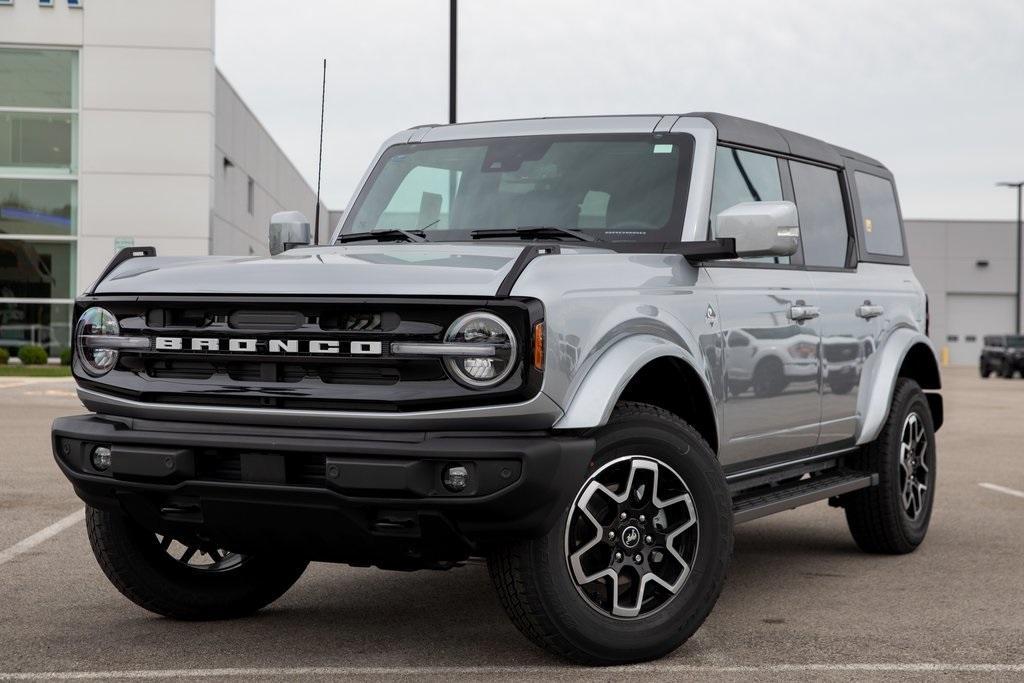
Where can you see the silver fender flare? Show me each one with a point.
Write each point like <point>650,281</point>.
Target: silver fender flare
<point>879,380</point>
<point>592,403</point>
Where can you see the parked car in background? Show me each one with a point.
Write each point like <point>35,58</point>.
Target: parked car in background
<point>1002,354</point>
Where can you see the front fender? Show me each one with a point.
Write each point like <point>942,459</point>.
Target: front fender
<point>879,380</point>
<point>593,402</point>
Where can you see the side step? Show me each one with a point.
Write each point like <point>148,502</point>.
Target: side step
<point>760,503</point>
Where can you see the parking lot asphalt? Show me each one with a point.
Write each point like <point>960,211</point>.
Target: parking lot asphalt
<point>801,601</point>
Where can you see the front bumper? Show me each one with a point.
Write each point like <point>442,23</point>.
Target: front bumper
<point>362,497</point>
<point>1015,362</point>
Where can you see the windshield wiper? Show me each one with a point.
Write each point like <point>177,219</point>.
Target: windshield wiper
<point>528,231</point>
<point>388,235</point>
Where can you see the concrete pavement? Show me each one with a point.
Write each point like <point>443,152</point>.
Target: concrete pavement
<point>801,601</point>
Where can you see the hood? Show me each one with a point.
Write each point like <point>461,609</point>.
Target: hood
<point>451,269</point>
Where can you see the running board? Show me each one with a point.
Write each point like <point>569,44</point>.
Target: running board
<point>788,496</point>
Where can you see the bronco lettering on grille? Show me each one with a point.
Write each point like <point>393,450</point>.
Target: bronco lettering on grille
<point>237,345</point>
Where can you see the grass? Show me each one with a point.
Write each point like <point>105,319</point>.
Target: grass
<point>35,371</point>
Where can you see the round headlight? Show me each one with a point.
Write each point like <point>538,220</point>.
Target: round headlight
<point>95,359</point>
<point>484,330</point>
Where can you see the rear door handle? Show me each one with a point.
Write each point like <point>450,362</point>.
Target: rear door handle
<point>803,312</point>
<point>867,311</point>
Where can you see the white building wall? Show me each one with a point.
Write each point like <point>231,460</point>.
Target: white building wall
<point>960,261</point>
<point>147,99</point>
<point>244,150</point>
<point>145,130</point>
<point>28,23</point>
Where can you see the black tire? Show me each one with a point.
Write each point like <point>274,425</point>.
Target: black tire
<point>877,516</point>
<point>985,371</point>
<point>1006,371</point>
<point>146,574</point>
<point>537,589</point>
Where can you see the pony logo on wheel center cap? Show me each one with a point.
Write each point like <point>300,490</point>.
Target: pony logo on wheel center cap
<point>630,536</point>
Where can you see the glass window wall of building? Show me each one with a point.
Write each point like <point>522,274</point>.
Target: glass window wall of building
<point>38,197</point>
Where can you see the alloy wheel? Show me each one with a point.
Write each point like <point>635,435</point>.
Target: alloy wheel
<point>198,556</point>
<point>914,472</point>
<point>631,537</point>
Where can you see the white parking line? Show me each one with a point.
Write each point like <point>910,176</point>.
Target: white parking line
<point>307,671</point>
<point>1002,489</point>
<point>35,539</point>
<point>14,382</point>
<point>11,385</point>
<point>52,392</point>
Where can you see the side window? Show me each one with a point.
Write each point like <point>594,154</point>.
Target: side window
<point>819,202</point>
<point>742,176</point>
<point>881,227</point>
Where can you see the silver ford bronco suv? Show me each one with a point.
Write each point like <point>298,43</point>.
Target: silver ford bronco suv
<point>581,348</point>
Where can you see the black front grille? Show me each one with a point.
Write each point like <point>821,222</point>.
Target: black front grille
<point>164,369</point>
<point>284,320</point>
<point>397,370</point>
<point>293,375</point>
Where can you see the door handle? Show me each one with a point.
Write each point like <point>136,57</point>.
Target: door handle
<point>867,311</point>
<point>798,313</point>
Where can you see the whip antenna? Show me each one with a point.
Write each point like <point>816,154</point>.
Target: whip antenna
<point>320,158</point>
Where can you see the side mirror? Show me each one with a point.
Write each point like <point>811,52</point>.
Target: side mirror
<point>761,228</point>
<point>288,229</point>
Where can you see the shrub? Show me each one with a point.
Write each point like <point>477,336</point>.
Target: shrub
<point>32,355</point>
<point>4,356</point>
<point>65,357</point>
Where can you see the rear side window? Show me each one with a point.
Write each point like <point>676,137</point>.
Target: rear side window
<point>819,203</point>
<point>881,220</point>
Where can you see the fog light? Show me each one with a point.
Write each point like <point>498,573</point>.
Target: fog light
<point>455,478</point>
<point>101,458</point>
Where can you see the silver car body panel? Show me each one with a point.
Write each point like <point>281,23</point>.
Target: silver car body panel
<point>600,388</point>
<point>784,415</point>
<point>354,269</point>
<point>607,315</point>
<point>880,380</point>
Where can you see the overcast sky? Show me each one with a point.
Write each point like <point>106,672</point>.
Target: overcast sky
<point>932,88</point>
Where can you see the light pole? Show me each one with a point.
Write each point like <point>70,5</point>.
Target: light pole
<point>1018,186</point>
<point>452,56</point>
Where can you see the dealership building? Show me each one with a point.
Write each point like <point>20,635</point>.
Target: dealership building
<point>116,129</point>
<point>969,271</point>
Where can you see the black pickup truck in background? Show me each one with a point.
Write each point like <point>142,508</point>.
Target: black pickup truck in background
<point>1002,354</point>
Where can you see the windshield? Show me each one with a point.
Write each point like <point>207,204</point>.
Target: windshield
<point>1015,341</point>
<point>620,188</point>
